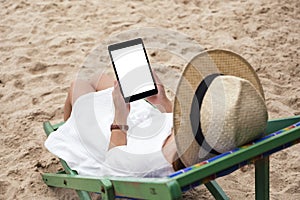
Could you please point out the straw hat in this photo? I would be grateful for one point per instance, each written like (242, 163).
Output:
(219, 105)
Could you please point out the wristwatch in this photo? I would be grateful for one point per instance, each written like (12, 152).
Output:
(121, 127)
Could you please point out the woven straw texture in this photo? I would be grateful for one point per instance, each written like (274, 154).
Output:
(226, 126)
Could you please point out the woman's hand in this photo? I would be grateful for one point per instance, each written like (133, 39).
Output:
(121, 108)
(160, 100)
(119, 137)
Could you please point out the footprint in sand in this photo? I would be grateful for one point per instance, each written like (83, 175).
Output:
(39, 116)
(38, 68)
(3, 187)
(56, 77)
(66, 53)
(35, 101)
(36, 79)
(19, 84)
(13, 96)
(23, 59)
(2, 84)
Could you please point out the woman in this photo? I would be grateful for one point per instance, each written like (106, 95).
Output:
(215, 111)
(147, 149)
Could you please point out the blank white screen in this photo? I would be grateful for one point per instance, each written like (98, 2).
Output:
(132, 69)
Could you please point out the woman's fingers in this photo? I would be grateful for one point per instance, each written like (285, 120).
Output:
(157, 80)
(117, 90)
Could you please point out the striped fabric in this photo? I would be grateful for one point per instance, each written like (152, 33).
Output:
(235, 167)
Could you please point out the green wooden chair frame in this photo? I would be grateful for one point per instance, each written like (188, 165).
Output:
(281, 133)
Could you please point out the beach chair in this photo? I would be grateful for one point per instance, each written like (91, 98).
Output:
(281, 133)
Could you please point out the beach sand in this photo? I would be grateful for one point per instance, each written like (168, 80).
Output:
(45, 44)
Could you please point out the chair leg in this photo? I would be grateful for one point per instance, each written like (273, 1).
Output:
(83, 195)
(216, 190)
(262, 179)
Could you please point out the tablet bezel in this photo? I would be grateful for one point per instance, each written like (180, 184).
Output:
(125, 44)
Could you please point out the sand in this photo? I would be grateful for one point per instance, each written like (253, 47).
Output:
(43, 45)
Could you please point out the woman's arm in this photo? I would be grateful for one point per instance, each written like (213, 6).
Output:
(118, 136)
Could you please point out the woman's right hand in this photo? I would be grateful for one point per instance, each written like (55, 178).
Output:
(122, 109)
(160, 100)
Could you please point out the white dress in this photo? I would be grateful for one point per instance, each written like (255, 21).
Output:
(83, 140)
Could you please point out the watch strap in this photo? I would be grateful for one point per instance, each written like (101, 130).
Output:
(121, 127)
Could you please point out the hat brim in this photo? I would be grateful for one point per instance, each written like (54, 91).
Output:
(206, 63)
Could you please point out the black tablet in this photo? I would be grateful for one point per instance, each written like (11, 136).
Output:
(132, 69)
